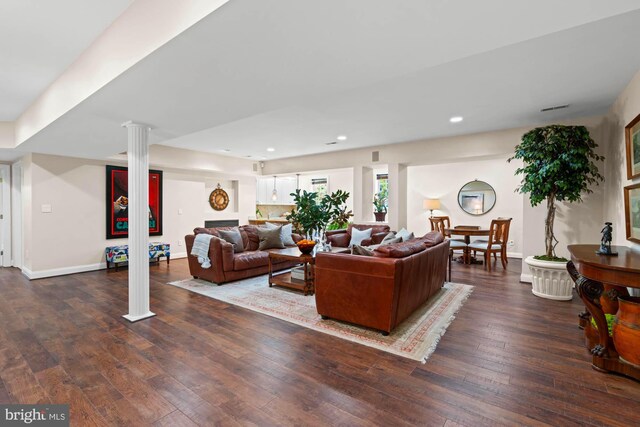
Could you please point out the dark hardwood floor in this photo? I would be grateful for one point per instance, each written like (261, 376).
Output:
(509, 358)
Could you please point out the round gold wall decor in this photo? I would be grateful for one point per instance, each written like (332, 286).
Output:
(219, 199)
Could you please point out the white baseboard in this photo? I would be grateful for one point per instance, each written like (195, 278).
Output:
(41, 274)
(526, 278)
(514, 255)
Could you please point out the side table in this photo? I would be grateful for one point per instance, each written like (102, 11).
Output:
(600, 280)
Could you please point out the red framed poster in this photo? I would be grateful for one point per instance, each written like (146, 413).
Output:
(118, 202)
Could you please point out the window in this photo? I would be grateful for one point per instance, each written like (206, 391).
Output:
(382, 183)
(320, 186)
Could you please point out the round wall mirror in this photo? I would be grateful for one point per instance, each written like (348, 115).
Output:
(476, 197)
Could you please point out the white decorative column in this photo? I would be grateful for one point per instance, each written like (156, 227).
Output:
(397, 216)
(362, 194)
(138, 194)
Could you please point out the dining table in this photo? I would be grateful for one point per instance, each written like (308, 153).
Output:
(467, 231)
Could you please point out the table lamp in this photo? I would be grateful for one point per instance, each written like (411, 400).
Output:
(431, 205)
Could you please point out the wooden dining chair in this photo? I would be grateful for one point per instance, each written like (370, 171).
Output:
(438, 224)
(497, 242)
(485, 240)
(447, 225)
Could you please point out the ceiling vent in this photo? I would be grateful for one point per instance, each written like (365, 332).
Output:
(375, 156)
(331, 143)
(557, 107)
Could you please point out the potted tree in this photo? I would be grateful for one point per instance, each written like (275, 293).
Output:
(558, 166)
(380, 205)
(312, 213)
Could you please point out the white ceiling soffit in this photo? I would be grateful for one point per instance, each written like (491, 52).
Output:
(39, 39)
(294, 75)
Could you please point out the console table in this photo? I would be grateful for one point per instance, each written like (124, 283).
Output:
(599, 281)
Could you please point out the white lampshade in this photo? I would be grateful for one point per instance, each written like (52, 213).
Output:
(431, 204)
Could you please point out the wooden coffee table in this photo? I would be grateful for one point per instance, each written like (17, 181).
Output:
(307, 260)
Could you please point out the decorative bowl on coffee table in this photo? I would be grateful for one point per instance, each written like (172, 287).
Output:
(306, 246)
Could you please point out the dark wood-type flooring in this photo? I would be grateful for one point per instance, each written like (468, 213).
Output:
(509, 358)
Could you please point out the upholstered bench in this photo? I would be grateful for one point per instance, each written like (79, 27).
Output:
(116, 255)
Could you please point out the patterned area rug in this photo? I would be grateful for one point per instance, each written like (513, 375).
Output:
(416, 338)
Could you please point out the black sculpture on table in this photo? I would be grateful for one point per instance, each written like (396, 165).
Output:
(605, 242)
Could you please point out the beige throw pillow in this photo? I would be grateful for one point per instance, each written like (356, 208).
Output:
(234, 237)
(361, 250)
(270, 239)
(287, 230)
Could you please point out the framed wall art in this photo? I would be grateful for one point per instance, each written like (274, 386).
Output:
(632, 212)
(632, 140)
(118, 202)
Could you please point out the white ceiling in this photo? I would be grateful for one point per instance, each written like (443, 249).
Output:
(293, 75)
(39, 39)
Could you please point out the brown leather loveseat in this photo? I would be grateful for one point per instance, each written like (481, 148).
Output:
(341, 238)
(227, 266)
(381, 291)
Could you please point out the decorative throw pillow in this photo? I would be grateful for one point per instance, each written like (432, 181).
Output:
(357, 236)
(234, 237)
(287, 229)
(405, 235)
(388, 237)
(270, 239)
(361, 250)
(391, 241)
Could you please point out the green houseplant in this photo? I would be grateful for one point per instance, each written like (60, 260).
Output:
(341, 220)
(559, 165)
(380, 204)
(313, 214)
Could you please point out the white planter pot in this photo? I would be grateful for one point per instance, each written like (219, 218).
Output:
(550, 279)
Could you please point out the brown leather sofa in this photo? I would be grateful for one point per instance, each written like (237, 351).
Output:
(227, 266)
(341, 238)
(381, 291)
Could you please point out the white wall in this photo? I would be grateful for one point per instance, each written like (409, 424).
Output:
(7, 135)
(72, 237)
(624, 109)
(339, 179)
(443, 181)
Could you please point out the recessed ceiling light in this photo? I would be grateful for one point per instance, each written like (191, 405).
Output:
(271, 149)
(455, 119)
(342, 138)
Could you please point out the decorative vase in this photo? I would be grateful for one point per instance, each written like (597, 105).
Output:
(610, 298)
(550, 279)
(626, 330)
(380, 216)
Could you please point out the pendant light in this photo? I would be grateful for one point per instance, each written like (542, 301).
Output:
(274, 193)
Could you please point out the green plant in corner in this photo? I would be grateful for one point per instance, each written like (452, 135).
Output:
(559, 165)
